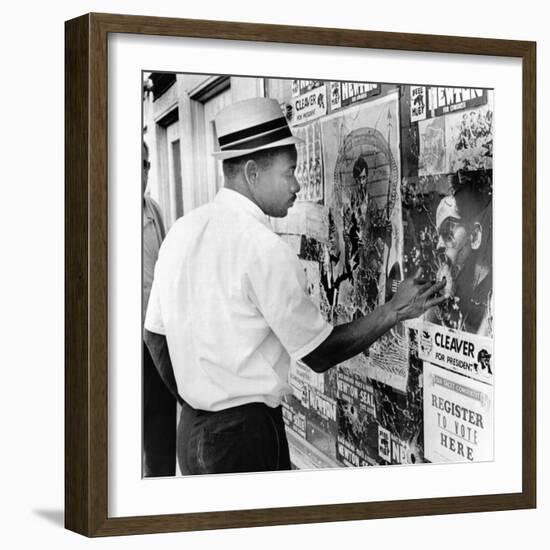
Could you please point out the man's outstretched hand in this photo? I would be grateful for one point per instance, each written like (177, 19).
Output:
(415, 296)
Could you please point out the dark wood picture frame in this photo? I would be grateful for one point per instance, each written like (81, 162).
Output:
(86, 285)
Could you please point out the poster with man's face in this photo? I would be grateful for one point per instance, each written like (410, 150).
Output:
(449, 215)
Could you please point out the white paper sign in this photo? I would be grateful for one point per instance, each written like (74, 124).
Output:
(461, 352)
(309, 106)
(458, 417)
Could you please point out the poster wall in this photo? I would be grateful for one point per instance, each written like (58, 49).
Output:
(388, 405)
(393, 178)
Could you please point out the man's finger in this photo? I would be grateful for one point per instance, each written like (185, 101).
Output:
(434, 302)
(425, 285)
(432, 289)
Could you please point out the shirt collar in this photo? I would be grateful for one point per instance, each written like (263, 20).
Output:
(234, 199)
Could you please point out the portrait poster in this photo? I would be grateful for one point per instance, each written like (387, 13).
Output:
(449, 217)
(365, 250)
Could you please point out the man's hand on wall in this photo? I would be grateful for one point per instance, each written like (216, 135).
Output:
(415, 296)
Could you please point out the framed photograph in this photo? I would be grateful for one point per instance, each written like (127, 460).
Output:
(403, 209)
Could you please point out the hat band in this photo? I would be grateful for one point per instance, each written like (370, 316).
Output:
(266, 139)
(251, 131)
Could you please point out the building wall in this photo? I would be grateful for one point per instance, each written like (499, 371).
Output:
(196, 99)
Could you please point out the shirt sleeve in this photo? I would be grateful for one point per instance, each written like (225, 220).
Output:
(153, 316)
(276, 285)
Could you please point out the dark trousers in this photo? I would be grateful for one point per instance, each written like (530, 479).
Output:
(247, 438)
(159, 423)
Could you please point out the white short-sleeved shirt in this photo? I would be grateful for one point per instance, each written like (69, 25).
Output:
(229, 295)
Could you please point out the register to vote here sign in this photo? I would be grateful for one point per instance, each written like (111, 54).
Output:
(458, 417)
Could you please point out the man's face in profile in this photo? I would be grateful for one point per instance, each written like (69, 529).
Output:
(277, 184)
(457, 237)
(454, 240)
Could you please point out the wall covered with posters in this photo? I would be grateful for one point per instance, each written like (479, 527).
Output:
(394, 178)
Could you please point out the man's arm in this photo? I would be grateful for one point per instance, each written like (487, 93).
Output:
(158, 348)
(412, 299)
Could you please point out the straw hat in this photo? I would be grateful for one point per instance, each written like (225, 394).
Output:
(251, 125)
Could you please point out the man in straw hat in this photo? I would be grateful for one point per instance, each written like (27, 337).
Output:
(229, 309)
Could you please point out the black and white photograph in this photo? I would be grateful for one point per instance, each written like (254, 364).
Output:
(317, 323)
(317, 274)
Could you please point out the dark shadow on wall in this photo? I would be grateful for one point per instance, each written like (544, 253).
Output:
(56, 517)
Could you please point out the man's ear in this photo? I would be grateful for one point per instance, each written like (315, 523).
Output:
(476, 236)
(251, 172)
